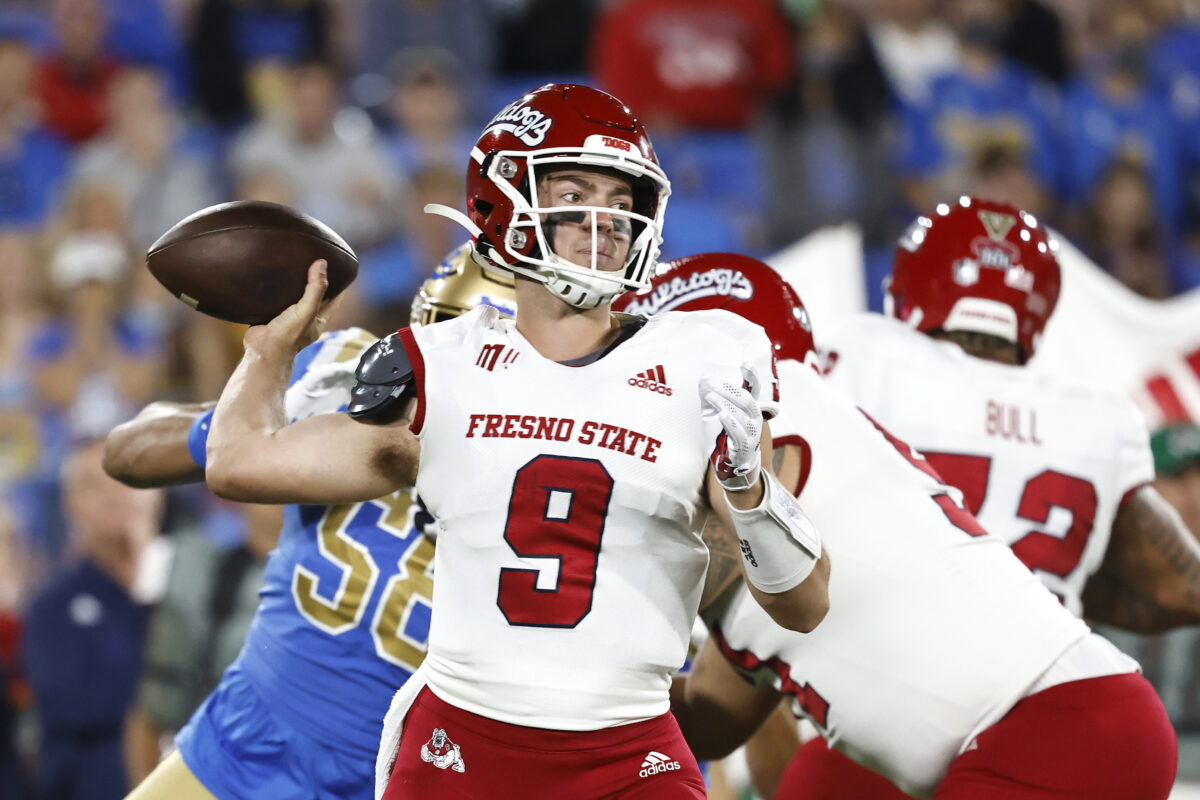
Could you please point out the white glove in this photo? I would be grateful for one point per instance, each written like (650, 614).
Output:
(736, 458)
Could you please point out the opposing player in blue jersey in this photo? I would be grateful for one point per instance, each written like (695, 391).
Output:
(346, 598)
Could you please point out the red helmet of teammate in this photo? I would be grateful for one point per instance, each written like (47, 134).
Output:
(976, 266)
(743, 285)
(555, 127)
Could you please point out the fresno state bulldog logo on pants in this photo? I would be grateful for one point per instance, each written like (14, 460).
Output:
(442, 753)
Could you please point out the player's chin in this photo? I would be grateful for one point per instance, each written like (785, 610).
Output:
(611, 261)
(604, 263)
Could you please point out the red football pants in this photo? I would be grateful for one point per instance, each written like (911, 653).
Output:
(642, 761)
(1098, 739)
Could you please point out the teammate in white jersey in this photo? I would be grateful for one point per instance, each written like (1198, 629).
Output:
(943, 663)
(570, 458)
(1058, 471)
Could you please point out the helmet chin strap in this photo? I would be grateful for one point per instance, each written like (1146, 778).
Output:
(596, 289)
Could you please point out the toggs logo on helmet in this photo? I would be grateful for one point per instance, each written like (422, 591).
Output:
(527, 124)
(677, 291)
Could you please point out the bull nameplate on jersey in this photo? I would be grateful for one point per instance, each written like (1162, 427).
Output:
(1012, 422)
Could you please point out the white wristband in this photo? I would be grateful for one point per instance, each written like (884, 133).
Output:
(780, 545)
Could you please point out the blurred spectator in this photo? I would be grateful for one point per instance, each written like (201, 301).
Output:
(268, 186)
(988, 100)
(827, 150)
(143, 158)
(1002, 174)
(14, 783)
(1175, 65)
(89, 207)
(236, 49)
(914, 46)
(196, 630)
(20, 314)
(1114, 111)
(73, 79)
(1121, 231)
(1177, 466)
(33, 161)
(390, 274)
(144, 32)
(17, 576)
(1036, 39)
(428, 109)
(331, 159)
(434, 235)
(26, 19)
(694, 63)
(466, 28)
(94, 362)
(545, 37)
(84, 634)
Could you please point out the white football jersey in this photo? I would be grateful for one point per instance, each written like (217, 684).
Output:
(1043, 464)
(569, 501)
(934, 629)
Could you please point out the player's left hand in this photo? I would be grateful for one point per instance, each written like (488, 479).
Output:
(736, 458)
(298, 325)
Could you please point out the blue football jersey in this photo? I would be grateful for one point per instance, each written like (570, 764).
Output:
(346, 599)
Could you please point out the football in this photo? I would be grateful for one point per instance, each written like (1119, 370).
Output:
(247, 261)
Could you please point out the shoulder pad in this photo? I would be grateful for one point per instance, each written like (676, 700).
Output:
(384, 382)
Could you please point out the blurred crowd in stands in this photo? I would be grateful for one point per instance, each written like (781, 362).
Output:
(772, 118)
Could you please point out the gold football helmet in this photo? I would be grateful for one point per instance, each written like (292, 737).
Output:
(458, 285)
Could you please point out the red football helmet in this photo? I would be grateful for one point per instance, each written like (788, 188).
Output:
(555, 127)
(743, 285)
(976, 266)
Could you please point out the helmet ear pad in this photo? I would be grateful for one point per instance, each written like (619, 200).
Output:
(480, 211)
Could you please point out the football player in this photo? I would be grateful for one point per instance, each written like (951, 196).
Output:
(568, 457)
(943, 663)
(1061, 472)
(344, 616)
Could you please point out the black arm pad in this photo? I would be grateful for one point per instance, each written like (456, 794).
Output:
(385, 382)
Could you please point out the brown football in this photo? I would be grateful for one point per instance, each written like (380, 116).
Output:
(248, 260)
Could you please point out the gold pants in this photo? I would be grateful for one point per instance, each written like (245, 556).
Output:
(171, 780)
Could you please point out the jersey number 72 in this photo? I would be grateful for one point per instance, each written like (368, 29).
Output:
(1046, 490)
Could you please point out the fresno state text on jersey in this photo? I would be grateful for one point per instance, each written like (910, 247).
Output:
(570, 504)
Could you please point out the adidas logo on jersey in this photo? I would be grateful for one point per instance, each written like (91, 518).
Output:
(653, 379)
(655, 763)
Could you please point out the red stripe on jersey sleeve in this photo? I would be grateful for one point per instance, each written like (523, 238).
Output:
(1193, 361)
(1164, 396)
(808, 698)
(418, 365)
